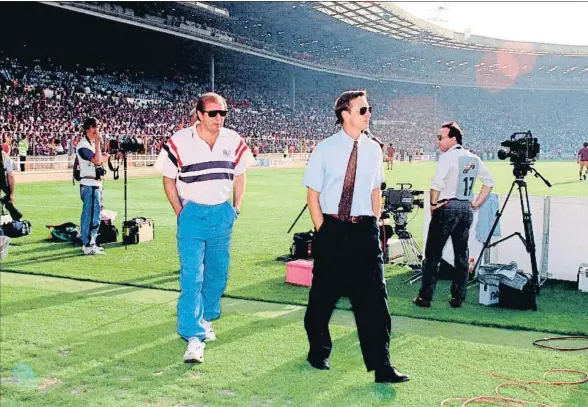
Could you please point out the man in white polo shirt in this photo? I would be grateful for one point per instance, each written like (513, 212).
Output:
(201, 165)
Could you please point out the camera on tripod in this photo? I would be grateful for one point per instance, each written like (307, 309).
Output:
(397, 204)
(401, 200)
(522, 150)
(126, 145)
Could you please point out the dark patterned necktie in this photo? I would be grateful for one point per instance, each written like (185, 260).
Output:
(348, 185)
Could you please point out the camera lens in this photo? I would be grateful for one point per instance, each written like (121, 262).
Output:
(502, 154)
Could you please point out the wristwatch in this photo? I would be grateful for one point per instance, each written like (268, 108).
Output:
(434, 204)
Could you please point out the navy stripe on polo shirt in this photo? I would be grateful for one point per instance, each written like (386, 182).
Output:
(207, 171)
(207, 177)
(208, 165)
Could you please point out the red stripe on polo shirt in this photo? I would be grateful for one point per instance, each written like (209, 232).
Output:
(237, 150)
(173, 146)
(240, 153)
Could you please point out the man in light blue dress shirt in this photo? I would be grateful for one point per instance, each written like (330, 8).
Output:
(343, 178)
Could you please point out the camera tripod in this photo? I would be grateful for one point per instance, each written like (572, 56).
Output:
(413, 255)
(519, 171)
(116, 176)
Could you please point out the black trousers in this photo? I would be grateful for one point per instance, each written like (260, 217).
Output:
(23, 158)
(452, 220)
(348, 263)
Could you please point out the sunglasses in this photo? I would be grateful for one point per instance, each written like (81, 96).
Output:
(213, 113)
(439, 136)
(364, 110)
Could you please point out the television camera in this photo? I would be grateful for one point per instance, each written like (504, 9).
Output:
(401, 200)
(523, 150)
(119, 149)
(126, 145)
(397, 204)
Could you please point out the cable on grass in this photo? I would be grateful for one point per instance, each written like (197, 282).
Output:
(538, 343)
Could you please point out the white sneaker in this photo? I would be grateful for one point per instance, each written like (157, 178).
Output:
(92, 250)
(195, 351)
(210, 335)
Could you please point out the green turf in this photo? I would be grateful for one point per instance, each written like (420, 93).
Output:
(273, 200)
(98, 345)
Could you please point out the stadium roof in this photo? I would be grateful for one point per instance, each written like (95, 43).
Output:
(392, 21)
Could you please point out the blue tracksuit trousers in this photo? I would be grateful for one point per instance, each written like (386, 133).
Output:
(204, 238)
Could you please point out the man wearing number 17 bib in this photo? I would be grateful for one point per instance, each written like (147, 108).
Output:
(452, 206)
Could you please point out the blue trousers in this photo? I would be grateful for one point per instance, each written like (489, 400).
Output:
(90, 219)
(204, 239)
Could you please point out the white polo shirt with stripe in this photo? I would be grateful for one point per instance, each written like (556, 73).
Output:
(204, 175)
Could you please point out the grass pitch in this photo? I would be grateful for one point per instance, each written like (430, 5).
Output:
(273, 200)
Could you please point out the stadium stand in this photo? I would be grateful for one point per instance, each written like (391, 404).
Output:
(143, 84)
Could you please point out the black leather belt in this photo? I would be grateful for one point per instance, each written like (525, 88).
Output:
(351, 219)
(452, 199)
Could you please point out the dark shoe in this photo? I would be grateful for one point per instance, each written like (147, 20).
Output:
(421, 303)
(321, 364)
(389, 374)
(455, 303)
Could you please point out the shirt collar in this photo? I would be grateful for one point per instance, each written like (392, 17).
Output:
(348, 139)
(196, 134)
(455, 147)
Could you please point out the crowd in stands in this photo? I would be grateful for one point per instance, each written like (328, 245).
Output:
(48, 103)
(368, 53)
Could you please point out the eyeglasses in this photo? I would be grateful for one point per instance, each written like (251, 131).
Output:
(213, 113)
(364, 110)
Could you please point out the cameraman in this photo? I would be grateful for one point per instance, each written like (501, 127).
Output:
(90, 157)
(451, 195)
(6, 178)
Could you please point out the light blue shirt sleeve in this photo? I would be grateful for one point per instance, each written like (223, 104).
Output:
(379, 178)
(315, 170)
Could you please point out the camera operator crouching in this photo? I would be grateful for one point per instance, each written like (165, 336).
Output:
(451, 194)
(90, 158)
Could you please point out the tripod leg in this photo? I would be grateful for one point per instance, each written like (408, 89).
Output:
(416, 257)
(489, 237)
(298, 217)
(529, 237)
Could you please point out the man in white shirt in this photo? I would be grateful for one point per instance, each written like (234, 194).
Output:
(452, 205)
(201, 166)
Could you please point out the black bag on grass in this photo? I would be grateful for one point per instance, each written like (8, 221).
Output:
(66, 232)
(16, 228)
(107, 232)
(522, 299)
